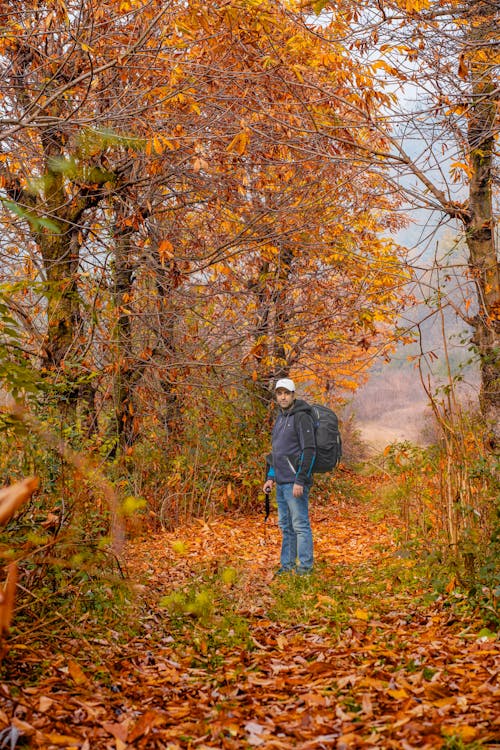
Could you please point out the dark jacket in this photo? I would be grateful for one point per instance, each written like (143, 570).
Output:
(293, 445)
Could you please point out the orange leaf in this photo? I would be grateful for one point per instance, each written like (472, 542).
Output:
(463, 70)
(7, 598)
(145, 723)
(76, 673)
(53, 738)
(14, 496)
(45, 703)
(464, 731)
(165, 250)
(118, 730)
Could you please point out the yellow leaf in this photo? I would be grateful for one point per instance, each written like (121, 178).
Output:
(416, 5)
(239, 143)
(380, 64)
(179, 547)
(131, 504)
(399, 695)
(229, 576)
(361, 614)
(157, 145)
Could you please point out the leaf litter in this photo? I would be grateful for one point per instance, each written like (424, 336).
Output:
(224, 656)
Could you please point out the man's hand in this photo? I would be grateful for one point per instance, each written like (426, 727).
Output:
(268, 485)
(298, 490)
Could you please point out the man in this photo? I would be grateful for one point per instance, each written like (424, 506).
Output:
(293, 454)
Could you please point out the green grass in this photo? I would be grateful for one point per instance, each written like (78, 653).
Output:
(204, 615)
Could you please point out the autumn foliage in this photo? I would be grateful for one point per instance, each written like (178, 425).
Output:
(213, 232)
(196, 199)
(219, 655)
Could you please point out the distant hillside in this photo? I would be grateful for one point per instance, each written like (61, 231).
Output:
(392, 406)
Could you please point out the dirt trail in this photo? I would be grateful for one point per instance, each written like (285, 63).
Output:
(238, 660)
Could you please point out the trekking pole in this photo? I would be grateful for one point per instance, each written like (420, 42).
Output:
(268, 511)
(268, 504)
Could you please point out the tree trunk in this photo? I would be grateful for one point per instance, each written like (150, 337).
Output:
(126, 374)
(480, 230)
(60, 252)
(282, 313)
(167, 347)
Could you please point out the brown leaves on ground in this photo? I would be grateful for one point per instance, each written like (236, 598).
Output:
(254, 662)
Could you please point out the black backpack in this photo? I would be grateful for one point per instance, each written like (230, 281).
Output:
(328, 439)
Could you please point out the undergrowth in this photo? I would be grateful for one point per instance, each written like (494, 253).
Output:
(455, 544)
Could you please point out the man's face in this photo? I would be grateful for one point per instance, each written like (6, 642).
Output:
(284, 398)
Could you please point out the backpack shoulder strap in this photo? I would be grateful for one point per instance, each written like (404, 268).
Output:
(300, 417)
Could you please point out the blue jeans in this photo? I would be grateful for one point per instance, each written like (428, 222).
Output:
(293, 520)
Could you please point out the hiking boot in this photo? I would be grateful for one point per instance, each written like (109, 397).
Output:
(282, 572)
(304, 571)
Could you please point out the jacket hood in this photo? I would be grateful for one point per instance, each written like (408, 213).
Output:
(298, 405)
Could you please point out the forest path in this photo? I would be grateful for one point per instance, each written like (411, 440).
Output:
(226, 657)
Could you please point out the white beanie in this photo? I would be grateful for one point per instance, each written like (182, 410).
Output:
(285, 383)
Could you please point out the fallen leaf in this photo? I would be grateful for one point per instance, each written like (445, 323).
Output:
(76, 673)
(361, 614)
(464, 731)
(398, 694)
(314, 699)
(254, 728)
(44, 703)
(23, 726)
(118, 730)
(65, 740)
(366, 704)
(442, 702)
(145, 723)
